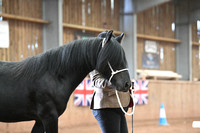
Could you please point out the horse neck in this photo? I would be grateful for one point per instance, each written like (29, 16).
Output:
(92, 49)
(84, 53)
(88, 51)
(75, 58)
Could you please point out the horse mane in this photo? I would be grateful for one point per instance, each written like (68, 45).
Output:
(66, 59)
(60, 60)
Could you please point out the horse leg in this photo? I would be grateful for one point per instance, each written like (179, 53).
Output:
(51, 125)
(38, 127)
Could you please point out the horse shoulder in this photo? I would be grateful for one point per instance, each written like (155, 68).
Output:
(49, 95)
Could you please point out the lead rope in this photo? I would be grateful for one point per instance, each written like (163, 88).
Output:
(116, 92)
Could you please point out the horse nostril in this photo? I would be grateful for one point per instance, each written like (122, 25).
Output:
(127, 84)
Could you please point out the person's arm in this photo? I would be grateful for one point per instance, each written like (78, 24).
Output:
(99, 81)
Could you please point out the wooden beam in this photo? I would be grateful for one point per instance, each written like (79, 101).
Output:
(93, 29)
(22, 18)
(156, 38)
(195, 43)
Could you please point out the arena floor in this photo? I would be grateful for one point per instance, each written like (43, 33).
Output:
(175, 126)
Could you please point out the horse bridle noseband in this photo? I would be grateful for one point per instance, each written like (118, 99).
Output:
(115, 72)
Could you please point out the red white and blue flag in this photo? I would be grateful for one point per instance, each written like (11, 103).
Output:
(83, 93)
(141, 91)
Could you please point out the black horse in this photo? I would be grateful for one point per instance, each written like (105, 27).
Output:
(38, 88)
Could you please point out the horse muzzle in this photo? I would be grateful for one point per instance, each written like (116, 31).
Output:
(124, 87)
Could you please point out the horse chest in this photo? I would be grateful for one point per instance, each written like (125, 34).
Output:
(50, 99)
(50, 103)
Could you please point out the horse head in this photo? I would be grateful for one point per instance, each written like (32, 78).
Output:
(111, 62)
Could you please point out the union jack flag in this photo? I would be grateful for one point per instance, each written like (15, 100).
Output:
(83, 93)
(141, 91)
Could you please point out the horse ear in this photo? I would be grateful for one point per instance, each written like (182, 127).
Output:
(108, 36)
(119, 38)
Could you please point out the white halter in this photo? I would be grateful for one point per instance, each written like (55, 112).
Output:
(115, 72)
(116, 92)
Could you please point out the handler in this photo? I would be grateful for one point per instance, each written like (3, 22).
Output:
(105, 107)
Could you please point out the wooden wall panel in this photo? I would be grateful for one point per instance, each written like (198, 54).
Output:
(151, 21)
(96, 13)
(166, 18)
(169, 62)
(179, 97)
(140, 22)
(25, 37)
(195, 37)
(26, 8)
(157, 22)
(140, 50)
(195, 53)
(195, 63)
